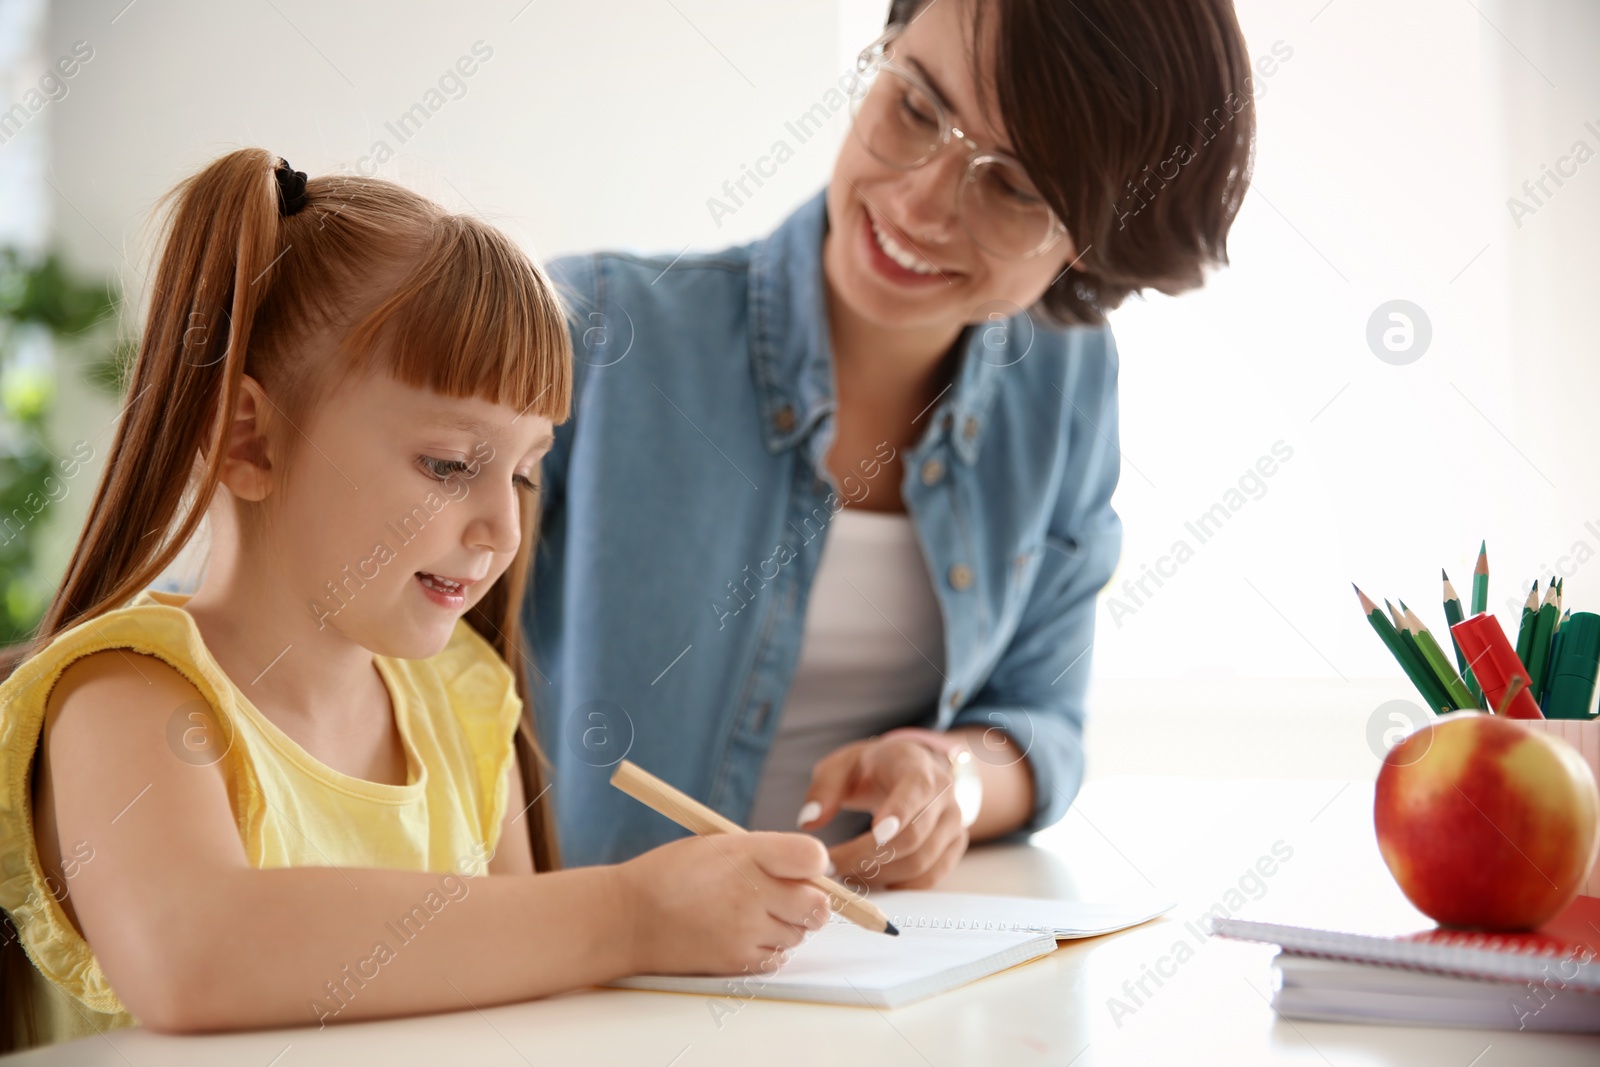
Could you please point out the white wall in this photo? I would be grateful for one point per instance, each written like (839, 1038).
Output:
(24, 212)
(590, 125)
(1390, 140)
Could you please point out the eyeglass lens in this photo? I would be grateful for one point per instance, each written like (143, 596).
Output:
(903, 126)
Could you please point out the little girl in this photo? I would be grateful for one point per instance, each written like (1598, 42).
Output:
(266, 803)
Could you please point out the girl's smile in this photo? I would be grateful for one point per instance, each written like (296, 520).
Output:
(445, 592)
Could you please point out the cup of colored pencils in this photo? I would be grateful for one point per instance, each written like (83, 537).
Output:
(1549, 674)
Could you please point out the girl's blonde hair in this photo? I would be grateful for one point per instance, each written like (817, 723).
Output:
(436, 300)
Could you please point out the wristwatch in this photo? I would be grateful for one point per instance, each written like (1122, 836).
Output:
(968, 786)
(968, 782)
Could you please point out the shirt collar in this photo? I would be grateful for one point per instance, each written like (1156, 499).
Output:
(792, 355)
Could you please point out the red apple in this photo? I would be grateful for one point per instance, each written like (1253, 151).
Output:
(1485, 824)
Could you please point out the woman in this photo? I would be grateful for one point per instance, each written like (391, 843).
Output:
(833, 508)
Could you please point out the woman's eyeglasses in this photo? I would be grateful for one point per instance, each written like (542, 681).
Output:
(897, 118)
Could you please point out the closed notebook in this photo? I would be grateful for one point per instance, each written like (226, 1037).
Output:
(946, 940)
(1309, 987)
(1563, 952)
(1548, 979)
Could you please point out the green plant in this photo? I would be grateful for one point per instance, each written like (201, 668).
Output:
(43, 309)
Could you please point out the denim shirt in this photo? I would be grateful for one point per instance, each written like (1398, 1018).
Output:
(686, 503)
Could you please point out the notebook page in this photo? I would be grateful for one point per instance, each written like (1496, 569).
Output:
(844, 964)
(921, 909)
(843, 953)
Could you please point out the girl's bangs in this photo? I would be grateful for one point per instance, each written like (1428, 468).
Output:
(474, 318)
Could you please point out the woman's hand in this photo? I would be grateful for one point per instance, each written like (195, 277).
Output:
(916, 837)
(724, 904)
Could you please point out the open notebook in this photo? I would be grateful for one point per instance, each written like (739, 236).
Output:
(946, 940)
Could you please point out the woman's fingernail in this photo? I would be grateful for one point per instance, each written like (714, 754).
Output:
(811, 810)
(832, 870)
(884, 831)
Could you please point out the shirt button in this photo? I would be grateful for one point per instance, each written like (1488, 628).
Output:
(969, 429)
(932, 471)
(784, 419)
(955, 698)
(960, 577)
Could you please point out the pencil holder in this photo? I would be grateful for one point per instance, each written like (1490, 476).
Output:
(1583, 735)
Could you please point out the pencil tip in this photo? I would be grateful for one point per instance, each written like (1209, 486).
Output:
(1443, 574)
(891, 929)
(1483, 547)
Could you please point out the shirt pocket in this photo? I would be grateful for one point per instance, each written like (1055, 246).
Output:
(1023, 569)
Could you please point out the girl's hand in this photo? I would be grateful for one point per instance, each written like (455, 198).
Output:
(916, 837)
(725, 903)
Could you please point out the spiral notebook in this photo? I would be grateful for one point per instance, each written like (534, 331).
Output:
(1310, 987)
(1571, 939)
(946, 940)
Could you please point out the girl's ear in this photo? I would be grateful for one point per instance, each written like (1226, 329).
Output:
(247, 464)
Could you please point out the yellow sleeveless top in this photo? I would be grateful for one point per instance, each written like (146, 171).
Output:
(456, 712)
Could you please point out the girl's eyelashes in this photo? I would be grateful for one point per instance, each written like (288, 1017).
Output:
(444, 469)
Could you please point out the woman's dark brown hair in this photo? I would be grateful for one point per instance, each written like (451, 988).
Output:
(1136, 120)
(436, 300)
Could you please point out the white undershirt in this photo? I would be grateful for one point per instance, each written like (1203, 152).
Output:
(871, 659)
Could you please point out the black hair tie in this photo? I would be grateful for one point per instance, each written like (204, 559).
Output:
(291, 188)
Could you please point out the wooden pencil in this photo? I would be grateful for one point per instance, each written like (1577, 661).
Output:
(1480, 580)
(1454, 687)
(692, 815)
(1415, 670)
(1525, 625)
(1440, 701)
(1453, 615)
(1538, 661)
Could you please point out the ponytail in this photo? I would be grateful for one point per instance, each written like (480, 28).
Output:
(184, 386)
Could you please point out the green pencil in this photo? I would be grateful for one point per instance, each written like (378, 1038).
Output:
(1408, 641)
(1423, 680)
(1454, 688)
(1525, 626)
(1538, 662)
(1555, 655)
(1480, 581)
(1414, 654)
(1452, 614)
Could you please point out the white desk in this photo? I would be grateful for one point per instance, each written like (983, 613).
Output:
(1192, 838)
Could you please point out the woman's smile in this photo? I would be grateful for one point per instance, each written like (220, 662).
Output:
(893, 258)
